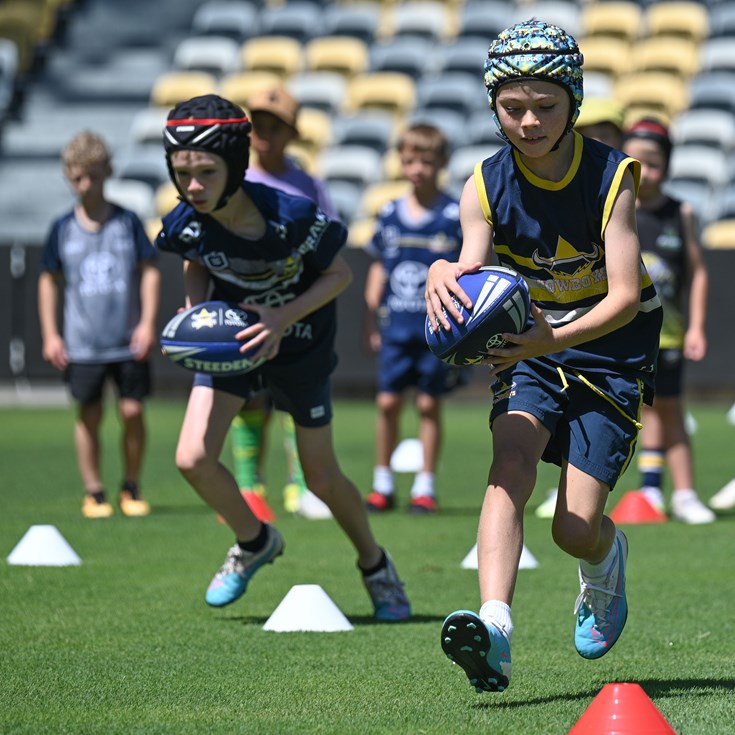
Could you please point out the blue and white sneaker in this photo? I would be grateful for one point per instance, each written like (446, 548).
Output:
(231, 581)
(386, 591)
(482, 650)
(602, 607)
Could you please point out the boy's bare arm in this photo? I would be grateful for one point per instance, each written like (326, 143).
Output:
(144, 336)
(54, 350)
(695, 341)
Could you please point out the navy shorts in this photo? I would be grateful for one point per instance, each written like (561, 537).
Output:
(86, 380)
(300, 388)
(594, 418)
(669, 373)
(412, 364)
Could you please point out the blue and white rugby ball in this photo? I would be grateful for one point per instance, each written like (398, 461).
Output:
(501, 304)
(202, 339)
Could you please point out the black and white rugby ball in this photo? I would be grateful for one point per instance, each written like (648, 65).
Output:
(202, 339)
(501, 304)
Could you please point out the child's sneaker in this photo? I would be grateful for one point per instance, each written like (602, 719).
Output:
(482, 650)
(724, 499)
(688, 508)
(378, 502)
(96, 505)
(602, 607)
(386, 591)
(313, 508)
(423, 505)
(131, 503)
(232, 579)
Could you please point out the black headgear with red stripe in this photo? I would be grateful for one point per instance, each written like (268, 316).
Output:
(213, 124)
(651, 129)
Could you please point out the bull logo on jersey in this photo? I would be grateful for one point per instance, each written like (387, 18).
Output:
(192, 232)
(409, 279)
(568, 261)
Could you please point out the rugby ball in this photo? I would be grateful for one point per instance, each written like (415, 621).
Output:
(202, 339)
(501, 304)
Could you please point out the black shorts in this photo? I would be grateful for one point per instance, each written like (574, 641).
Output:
(669, 373)
(86, 380)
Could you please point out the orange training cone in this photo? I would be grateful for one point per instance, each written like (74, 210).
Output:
(636, 508)
(258, 504)
(622, 709)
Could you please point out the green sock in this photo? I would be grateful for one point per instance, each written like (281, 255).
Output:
(247, 435)
(295, 473)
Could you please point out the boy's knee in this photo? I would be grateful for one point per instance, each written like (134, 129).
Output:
(575, 536)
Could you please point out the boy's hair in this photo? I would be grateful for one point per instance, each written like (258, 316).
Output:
(649, 128)
(424, 137)
(85, 149)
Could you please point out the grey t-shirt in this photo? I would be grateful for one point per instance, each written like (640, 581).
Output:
(101, 272)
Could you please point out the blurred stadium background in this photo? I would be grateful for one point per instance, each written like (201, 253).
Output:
(362, 69)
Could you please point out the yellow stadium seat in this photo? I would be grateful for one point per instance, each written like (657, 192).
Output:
(391, 91)
(653, 89)
(666, 53)
(342, 54)
(176, 86)
(361, 232)
(607, 54)
(686, 19)
(315, 129)
(278, 54)
(620, 19)
(167, 197)
(392, 170)
(377, 195)
(239, 87)
(719, 234)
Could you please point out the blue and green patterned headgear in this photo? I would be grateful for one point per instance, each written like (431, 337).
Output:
(535, 50)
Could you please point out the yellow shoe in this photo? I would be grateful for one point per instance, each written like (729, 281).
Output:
(292, 497)
(97, 506)
(130, 503)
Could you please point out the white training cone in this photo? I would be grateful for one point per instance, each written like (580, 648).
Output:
(731, 415)
(307, 607)
(43, 546)
(408, 456)
(527, 561)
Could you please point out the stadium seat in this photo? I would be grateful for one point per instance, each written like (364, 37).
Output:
(610, 55)
(295, 19)
(321, 90)
(315, 129)
(689, 20)
(238, 19)
(726, 203)
(342, 54)
(277, 54)
(719, 234)
(698, 163)
(355, 164)
(176, 86)
(132, 194)
(213, 54)
(361, 232)
(451, 122)
(462, 162)
(389, 91)
(653, 90)
(145, 163)
(713, 90)
(166, 198)
(484, 18)
(722, 20)
(392, 170)
(376, 196)
(706, 126)
(146, 127)
(463, 93)
(366, 128)
(238, 87)
(598, 84)
(562, 13)
(430, 19)
(405, 54)
(717, 54)
(23, 36)
(355, 19)
(345, 197)
(464, 55)
(620, 19)
(698, 194)
(9, 76)
(482, 130)
(666, 53)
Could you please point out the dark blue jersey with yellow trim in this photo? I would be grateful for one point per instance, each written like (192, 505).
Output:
(299, 243)
(553, 233)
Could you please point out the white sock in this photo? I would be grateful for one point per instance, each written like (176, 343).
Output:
(423, 485)
(601, 568)
(383, 480)
(497, 613)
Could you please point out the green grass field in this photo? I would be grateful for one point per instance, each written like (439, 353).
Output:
(124, 643)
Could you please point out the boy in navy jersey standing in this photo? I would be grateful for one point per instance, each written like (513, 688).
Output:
(412, 233)
(559, 209)
(277, 255)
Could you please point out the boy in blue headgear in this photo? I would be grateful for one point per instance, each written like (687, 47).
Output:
(559, 209)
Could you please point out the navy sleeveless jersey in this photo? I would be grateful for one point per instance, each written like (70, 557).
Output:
(406, 249)
(299, 243)
(553, 233)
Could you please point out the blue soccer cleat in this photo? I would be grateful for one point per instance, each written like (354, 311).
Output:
(601, 607)
(386, 591)
(482, 650)
(231, 581)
